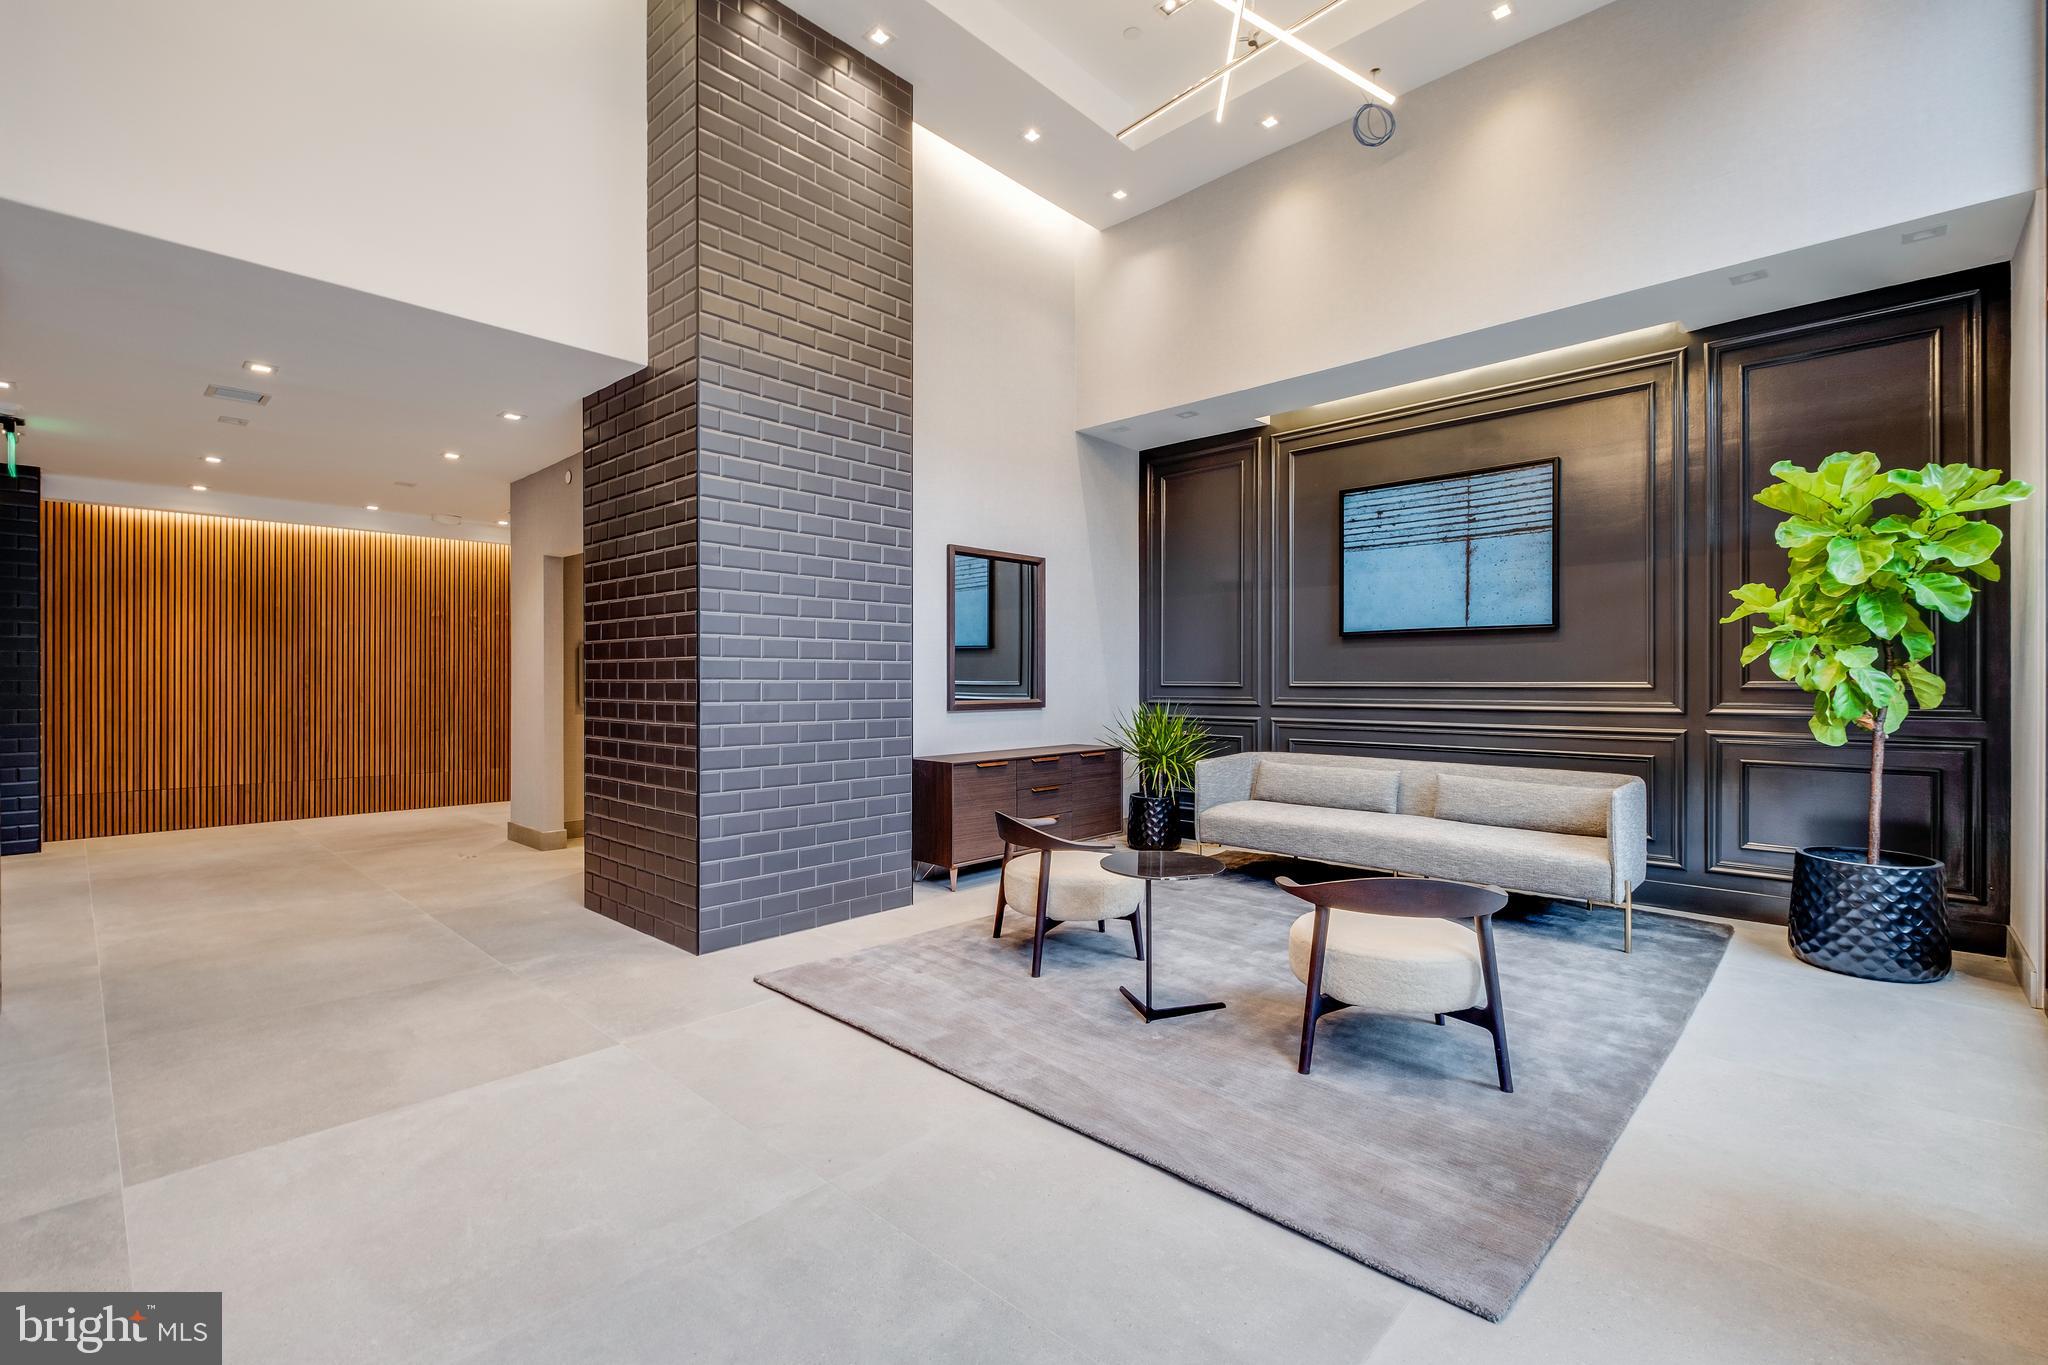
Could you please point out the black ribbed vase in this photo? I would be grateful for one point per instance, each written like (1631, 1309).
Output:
(1153, 823)
(1886, 921)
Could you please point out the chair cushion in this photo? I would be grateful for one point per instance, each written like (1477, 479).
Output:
(1523, 805)
(1081, 889)
(1567, 865)
(1393, 965)
(1303, 784)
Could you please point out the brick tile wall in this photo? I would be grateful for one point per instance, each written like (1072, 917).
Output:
(21, 662)
(747, 503)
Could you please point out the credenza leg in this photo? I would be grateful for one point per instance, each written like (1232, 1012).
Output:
(952, 879)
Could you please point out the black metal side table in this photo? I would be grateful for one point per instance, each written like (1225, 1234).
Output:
(1150, 867)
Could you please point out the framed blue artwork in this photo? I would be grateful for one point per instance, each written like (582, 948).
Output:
(1471, 551)
(970, 602)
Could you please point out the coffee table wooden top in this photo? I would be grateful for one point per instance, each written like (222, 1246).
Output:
(1152, 866)
(1414, 897)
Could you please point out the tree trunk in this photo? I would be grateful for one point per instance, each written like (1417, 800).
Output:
(1876, 784)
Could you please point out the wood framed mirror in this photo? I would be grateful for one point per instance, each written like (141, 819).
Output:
(995, 630)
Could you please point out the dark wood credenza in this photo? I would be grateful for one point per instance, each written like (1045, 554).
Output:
(954, 799)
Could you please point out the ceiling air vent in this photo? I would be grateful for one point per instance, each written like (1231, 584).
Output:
(447, 519)
(231, 394)
(232, 421)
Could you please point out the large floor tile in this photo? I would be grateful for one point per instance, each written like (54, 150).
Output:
(1614, 1290)
(154, 985)
(1123, 1260)
(43, 1014)
(1939, 1216)
(56, 1131)
(640, 985)
(79, 1247)
(817, 1282)
(409, 1236)
(825, 1093)
(199, 1094)
(1899, 1044)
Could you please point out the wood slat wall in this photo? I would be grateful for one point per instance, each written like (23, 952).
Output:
(210, 671)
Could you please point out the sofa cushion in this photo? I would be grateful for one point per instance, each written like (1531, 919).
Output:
(1571, 866)
(1302, 784)
(1523, 805)
(1393, 965)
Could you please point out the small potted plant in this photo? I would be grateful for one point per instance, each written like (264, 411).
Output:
(1164, 744)
(1848, 628)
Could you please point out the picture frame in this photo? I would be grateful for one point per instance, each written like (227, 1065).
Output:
(1507, 512)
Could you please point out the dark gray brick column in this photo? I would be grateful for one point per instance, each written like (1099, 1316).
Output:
(21, 661)
(747, 498)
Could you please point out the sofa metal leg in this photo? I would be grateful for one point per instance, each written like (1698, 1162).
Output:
(1628, 919)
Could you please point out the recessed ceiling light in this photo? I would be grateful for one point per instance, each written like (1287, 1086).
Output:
(1503, 11)
(198, 488)
(5, 385)
(878, 35)
(1270, 121)
(1924, 234)
(225, 420)
(258, 367)
(513, 416)
(1118, 194)
(1172, 6)
(451, 454)
(1184, 415)
(1032, 135)
(369, 507)
(1749, 277)
(211, 459)
(503, 522)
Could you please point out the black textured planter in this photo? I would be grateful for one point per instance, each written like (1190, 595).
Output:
(1886, 921)
(1154, 823)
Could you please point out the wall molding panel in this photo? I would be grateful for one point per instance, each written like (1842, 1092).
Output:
(203, 671)
(1659, 453)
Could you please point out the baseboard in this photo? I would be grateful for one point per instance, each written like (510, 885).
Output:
(2024, 969)
(542, 839)
(575, 828)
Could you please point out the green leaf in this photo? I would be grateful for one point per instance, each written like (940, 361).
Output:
(1892, 526)
(1829, 731)
(1927, 686)
(1787, 655)
(1852, 559)
(1997, 495)
(1862, 656)
(1754, 649)
(1987, 571)
(1971, 543)
(1883, 613)
(1753, 597)
(1795, 532)
(1915, 636)
(1847, 703)
(1942, 592)
(1780, 497)
(1877, 685)
(1914, 485)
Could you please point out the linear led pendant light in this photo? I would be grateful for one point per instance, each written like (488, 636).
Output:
(1229, 51)
(1280, 33)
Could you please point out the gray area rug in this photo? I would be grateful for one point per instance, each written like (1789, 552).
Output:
(1399, 1151)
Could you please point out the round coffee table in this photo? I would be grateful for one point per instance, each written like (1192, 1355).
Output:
(1149, 867)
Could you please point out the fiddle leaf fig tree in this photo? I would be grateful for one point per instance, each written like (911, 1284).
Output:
(1850, 626)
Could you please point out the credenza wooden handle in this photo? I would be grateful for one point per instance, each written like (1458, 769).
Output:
(999, 763)
(1052, 788)
(1096, 753)
(1047, 758)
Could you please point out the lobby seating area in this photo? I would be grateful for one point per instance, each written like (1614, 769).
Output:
(840, 682)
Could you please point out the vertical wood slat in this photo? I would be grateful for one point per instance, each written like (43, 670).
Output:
(210, 671)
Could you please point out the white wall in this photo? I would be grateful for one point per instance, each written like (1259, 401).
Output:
(997, 463)
(485, 160)
(547, 526)
(1649, 141)
(2025, 558)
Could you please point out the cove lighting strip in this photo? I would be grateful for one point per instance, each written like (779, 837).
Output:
(1283, 35)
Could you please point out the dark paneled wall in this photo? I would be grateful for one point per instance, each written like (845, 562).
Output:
(1658, 456)
(747, 517)
(21, 662)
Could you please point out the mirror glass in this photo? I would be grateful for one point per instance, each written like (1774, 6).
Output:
(998, 623)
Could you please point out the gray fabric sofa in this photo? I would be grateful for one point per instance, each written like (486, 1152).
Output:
(1545, 831)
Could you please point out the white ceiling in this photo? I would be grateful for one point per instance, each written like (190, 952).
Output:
(983, 71)
(109, 340)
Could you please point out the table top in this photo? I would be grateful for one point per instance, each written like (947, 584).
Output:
(1151, 866)
(1415, 897)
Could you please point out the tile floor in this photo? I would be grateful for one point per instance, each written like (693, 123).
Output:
(386, 1084)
